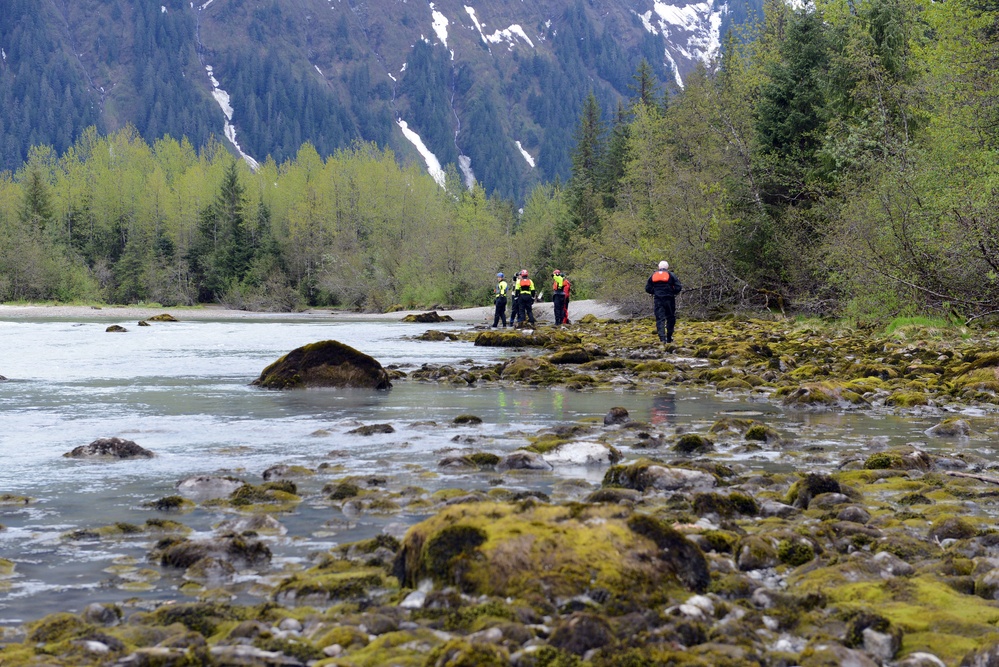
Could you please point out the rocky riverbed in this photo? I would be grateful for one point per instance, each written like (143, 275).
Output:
(732, 544)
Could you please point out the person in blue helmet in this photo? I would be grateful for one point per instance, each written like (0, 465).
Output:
(499, 298)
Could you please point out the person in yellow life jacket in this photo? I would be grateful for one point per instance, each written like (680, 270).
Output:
(664, 286)
(524, 292)
(499, 298)
(558, 297)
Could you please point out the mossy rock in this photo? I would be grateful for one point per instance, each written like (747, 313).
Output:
(691, 443)
(324, 364)
(820, 395)
(116, 328)
(162, 317)
(907, 399)
(466, 420)
(529, 369)
(645, 474)
(899, 458)
(57, 627)
(432, 317)
(461, 653)
(171, 504)
(372, 429)
(805, 489)
(204, 618)
(762, 433)
(725, 506)
(316, 587)
(436, 335)
(955, 528)
(795, 552)
(525, 550)
(571, 355)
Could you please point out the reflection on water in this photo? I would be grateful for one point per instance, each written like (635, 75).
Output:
(182, 390)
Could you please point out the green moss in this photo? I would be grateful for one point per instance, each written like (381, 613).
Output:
(171, 504)
(484, 459)
(56, 628)
(296, 648)
(342, 490)
(795, 552)
(907, 399)
(466, 419)
(691, 443)
(463, 618)
(460, 653)
(322, 588)
(933, 616)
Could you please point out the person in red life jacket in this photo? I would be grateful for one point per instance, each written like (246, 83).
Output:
(525, 297)
(499, 297)
(566, 286)
(514, 299)
(558, 296)
(664, 286)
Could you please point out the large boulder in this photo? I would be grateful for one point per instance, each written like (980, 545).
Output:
(114, 448)
(327, 363)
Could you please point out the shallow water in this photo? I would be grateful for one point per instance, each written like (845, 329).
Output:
(182, 390)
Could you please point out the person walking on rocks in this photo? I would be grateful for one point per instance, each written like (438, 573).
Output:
(558, 296)
(664, 286)
(499, 297)
(525, 297)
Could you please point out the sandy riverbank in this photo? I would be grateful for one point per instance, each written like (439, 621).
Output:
(542, 312)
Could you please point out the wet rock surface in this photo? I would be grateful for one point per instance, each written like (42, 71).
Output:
(110, 448)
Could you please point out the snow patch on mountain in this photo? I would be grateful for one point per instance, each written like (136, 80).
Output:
(693, 30)
(507, 34)
(439, 25)
(163, 9)
(527, 156)
(222, 97)
(433, 164)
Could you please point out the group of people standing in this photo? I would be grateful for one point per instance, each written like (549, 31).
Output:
(663, 285)
(522, 295)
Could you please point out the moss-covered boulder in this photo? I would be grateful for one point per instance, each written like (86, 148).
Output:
(644, 474)
(808, 487)
(571, 355)
(238, 551)
(532, 549)
(899, 458)
(327, 363)
(432, 317)
(950, 428)
(692, 443)
(821, 395)
(162, 317)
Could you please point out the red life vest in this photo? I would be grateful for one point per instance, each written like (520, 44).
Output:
(525, 283)
(661, 277)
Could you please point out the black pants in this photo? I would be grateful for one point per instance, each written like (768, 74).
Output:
(665, 308)
(514, 309)
(526, 308)
(558, 300)
(500, 311)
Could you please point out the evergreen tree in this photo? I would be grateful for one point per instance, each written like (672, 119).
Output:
(221, 256)
(585, 206)
(36, 207)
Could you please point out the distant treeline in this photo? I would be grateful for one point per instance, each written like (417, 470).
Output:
(843, 161)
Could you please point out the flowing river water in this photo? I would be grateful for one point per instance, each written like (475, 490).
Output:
(183, 391)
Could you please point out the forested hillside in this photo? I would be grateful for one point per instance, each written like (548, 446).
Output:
(492, 91)
(842, 161)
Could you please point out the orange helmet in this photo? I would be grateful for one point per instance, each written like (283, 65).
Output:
(557, 273)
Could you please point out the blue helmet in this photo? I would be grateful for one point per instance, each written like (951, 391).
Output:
(499, 275)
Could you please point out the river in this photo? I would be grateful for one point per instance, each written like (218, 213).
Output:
(182, 390)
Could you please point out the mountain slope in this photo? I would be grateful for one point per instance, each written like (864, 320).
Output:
(492, 91)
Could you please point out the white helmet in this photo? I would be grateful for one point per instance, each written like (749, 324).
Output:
(663, 265)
